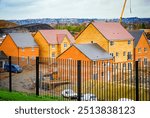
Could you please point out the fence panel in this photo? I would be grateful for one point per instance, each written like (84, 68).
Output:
(4, 75)
(79, 80)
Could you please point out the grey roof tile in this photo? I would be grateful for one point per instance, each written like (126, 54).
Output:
(93, 51)
(137, 35)
(23, 39)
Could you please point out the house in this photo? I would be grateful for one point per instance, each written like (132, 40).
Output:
(112, 37)
(22, 48)
(3, 59)
(93, 59)
(141, 46)
(53, 42)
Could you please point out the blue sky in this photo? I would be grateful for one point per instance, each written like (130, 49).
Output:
(24, 9)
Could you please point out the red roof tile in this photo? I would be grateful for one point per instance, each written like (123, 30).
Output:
(56, 36)
(113, 31)
(60, 37)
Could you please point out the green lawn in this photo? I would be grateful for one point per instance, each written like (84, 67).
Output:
(5, 95)
(110, 91)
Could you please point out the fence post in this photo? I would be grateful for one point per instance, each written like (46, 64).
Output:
(79, 79)
(10, 75)
(137, 81)
(37, 76)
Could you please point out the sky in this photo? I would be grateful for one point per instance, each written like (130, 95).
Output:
(30, 9)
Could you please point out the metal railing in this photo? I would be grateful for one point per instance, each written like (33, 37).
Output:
(79, 80)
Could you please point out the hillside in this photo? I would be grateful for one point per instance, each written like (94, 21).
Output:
(7, 24)
(24, 28)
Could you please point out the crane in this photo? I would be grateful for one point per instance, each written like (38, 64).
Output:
(120, 21)
(122, 12)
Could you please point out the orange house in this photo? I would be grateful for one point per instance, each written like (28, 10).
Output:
(141, 46)
(93, 59)
(53, 42)
(22, 48)
(112, 37)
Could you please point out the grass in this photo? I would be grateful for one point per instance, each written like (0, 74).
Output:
(5, 95)
(112, 91)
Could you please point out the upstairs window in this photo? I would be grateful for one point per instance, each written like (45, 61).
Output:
(145, 49)
(129, 42)
(124, 53)
(32, 48)
(111, 54)
(139, 50)
(22, 49)
(53, 46)
(65, 45)
(117, 54)
(111, 43)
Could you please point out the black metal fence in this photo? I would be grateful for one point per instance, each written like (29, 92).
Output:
(81, 80)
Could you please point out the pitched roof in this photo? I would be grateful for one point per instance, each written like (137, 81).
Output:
(60, 37)
(137, 35)
(2, 55)
(56, 36)
(113, 31)
(93, 51)
(23, 39)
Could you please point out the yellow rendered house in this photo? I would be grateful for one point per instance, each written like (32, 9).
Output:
(53, 42)
(112, 37)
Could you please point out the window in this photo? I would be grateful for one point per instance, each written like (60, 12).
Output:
(111, 54)
(129, 42)
(139, 50)
(53, 46)
(117, 54)
(33, 58)
(65, 45)
(32, 48)
(94, 63)
(145, 61)
(22, 49)
(124, 53)
(145, 49)
(139, 60)
(129, 56)
(111, 43)
(23, 58)
(95, 76)
(53, 55)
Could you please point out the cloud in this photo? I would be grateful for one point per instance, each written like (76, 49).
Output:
(71, 8)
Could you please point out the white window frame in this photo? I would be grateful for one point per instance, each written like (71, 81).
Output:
(53, 46)
(129, 42)
(22, 58)
(53, 56)
(22, 49)
(32, 49)
(33, 58)
(111, 43)
(145, 49)
(65, 45)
